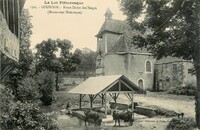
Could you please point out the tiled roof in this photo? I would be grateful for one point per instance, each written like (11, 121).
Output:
(102, 84)
(112, 25)
(124, 44)
(170, 60)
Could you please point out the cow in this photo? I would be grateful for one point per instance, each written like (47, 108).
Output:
(180, 115)
(125, 115)
(92, 117)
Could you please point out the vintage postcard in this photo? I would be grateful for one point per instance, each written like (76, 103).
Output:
(98, 64)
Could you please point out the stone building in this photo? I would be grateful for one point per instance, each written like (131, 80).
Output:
(117, 55)
(9, 33)
(173, 72)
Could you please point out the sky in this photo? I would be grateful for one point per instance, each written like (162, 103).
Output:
(80, 29)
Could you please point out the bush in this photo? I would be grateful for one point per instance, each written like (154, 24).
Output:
(22, 116)
(187, 90)
(181, 124)
(5, 100)
(28, 90)
(27, 116)
(46, 83)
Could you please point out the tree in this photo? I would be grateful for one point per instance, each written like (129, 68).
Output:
(170, 28)
(47, 59)
(88, 61)
(25, 56)
(46, 83)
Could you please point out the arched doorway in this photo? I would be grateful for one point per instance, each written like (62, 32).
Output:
(141, 83)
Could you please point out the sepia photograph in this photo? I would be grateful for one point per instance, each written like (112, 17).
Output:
(99, 64)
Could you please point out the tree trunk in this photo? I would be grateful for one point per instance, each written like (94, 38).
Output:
(197, 61)
(57, 86)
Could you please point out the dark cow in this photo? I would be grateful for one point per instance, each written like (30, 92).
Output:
(180, 115)
(126, 116)
(92, 117)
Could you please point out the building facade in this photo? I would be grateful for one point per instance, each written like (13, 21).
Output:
(117, 55)
(173, 72)
(9, 33)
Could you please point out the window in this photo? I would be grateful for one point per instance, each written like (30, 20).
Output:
(148, 66)
(140, 83)
(99, 39)
(174, 68)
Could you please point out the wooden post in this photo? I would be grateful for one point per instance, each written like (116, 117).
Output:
(132, 102)
(115, 98)
(91, 100)
(105, 105)
(102, 99)
(80, 101)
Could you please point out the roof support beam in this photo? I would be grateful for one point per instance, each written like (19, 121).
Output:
(102, 96)
(92, 97)
(127, 85)
(80, 99)
(114, 96)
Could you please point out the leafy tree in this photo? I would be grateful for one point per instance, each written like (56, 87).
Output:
(47, 59)
(170, 28)
(25, 58)
(46, 83)
(88, 61)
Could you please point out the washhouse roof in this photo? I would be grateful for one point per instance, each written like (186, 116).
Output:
(102, 84)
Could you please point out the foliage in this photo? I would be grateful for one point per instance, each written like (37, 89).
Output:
(28, 90)
(27, 116)
(88, 61)
(181, 124)
(46, 83)
(5, 100)
(48, 60)
(186, 90)
(25, 57)
(170, 28)
(25, 54)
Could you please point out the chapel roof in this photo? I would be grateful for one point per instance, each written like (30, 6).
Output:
(112, 25)
(124, 44)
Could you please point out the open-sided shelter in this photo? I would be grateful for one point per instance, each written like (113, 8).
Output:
(104, 85)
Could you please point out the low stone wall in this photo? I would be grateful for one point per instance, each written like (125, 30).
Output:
(120, 106)
(150, 112)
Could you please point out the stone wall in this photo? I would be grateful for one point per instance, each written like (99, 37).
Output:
(9, 44)
(132, 66)
(173, 74)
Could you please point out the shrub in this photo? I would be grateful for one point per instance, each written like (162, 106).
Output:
(5, 100)
(27, 116)
(46, 83)
(187, 90)
(28, 90)
(181, 124)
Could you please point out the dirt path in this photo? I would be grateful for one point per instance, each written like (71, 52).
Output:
(177, 103)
